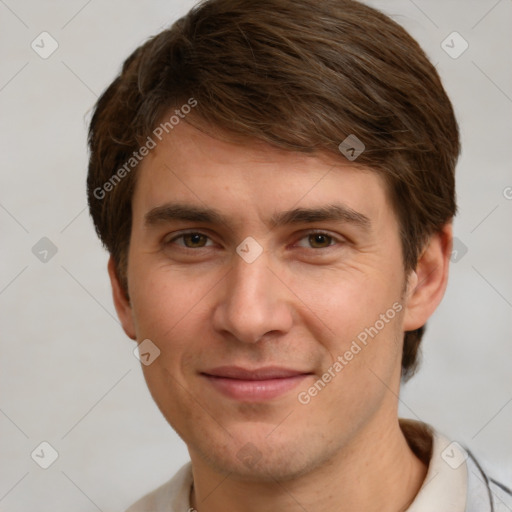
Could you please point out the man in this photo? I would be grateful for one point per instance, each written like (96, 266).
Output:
(274, 182)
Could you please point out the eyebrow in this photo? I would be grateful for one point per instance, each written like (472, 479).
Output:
(333, 212)
(183, 212)
(170, 212)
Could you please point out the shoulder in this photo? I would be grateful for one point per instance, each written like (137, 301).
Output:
(502, 495)
(456, 479)
(169, 497)
(484, 492)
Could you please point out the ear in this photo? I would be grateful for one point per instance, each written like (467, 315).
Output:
(427, 283)
(121, 302)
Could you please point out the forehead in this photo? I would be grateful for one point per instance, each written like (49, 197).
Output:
(210, 168)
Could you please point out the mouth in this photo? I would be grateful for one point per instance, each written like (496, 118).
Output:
(254, 385)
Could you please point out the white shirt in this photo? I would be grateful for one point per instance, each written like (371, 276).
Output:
(455, 481)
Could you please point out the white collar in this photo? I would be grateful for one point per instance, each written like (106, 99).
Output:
(445, 486)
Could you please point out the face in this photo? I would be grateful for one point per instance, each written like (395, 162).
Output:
(272, 284)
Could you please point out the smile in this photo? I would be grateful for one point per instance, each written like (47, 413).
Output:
(256, 385)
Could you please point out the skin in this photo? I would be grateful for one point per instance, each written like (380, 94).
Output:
(299, 305)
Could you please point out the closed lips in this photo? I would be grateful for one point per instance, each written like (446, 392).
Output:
(266, 373)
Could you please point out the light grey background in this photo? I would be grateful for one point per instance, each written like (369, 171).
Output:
(68, 375)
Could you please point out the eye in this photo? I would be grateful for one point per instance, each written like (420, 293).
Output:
(317, 241)
(191, 240)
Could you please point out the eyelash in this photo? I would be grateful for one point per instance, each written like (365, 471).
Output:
(333, 239)
(182, 235)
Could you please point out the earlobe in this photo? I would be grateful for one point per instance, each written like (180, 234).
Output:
(428, 281)
(121, 302)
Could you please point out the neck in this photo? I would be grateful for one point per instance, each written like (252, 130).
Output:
(377, 472)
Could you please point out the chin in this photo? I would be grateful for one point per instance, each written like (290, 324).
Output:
(266, 467)
(261, 458)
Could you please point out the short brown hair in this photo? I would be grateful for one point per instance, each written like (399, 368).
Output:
(300, 75)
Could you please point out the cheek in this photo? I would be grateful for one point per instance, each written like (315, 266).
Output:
(343, 301)
(165, 299)
(172, 311)
(355, 316)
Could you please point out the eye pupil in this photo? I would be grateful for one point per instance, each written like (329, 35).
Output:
(194, 240)
(318, 240)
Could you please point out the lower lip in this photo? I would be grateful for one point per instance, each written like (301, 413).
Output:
(255, 390)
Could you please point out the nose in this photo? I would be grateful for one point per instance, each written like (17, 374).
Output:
(253, 302)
